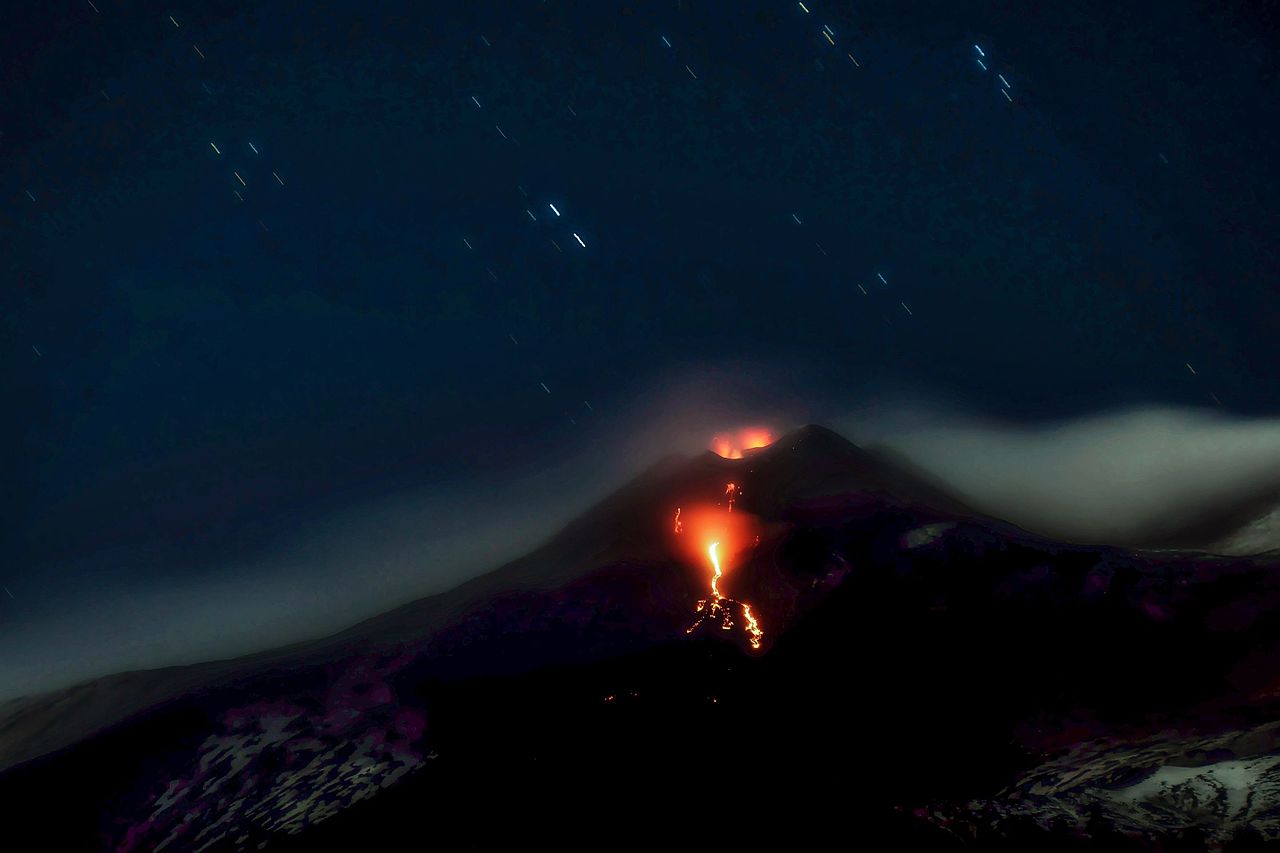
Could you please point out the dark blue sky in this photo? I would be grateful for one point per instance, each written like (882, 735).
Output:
(213, 369)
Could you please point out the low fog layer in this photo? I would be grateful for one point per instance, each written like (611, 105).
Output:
(1153, 477)
(1145, 477)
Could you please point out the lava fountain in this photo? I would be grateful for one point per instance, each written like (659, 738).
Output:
(714, 536)
(732, 445)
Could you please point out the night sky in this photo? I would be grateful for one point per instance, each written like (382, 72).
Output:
(267, 262)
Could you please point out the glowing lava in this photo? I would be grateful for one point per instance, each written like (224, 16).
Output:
(715, 566)
(733, 445)
(721, 531)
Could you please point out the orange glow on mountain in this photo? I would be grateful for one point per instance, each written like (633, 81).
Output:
(714, 537)
(732, 445)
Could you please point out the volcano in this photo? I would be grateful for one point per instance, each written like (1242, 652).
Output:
(922, 673)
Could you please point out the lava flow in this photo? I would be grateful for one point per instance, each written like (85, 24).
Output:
(723, 534)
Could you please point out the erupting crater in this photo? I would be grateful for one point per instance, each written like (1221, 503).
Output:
(732, 445)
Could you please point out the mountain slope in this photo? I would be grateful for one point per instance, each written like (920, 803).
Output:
(922, 669)
(627, 525)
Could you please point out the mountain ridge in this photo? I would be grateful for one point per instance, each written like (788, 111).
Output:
(808, 462)
(958, 654)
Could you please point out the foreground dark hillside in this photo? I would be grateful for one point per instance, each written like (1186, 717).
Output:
(904, 704)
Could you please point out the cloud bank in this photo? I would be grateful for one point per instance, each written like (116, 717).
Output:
(1149, 477)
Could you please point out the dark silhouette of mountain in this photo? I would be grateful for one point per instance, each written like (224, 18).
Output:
(626, 526)
(926, 673)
